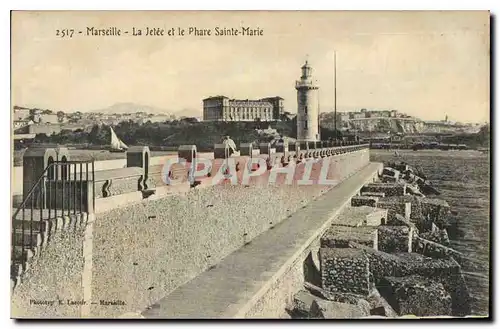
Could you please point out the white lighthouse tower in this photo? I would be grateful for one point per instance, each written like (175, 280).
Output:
(307, 106)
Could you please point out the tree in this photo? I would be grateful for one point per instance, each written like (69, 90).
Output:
(99, 136)
(60, 116)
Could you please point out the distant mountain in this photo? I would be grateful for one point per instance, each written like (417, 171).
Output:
(130, 108)
(191, 113)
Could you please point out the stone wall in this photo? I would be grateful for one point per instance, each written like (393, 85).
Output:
(274, 302)
(53, 278)
(144, 251)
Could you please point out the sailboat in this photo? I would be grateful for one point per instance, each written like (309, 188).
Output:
(117, 145)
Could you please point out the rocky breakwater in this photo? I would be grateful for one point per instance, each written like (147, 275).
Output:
(387, 255)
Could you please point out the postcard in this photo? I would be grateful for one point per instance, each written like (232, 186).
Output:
(250, 164)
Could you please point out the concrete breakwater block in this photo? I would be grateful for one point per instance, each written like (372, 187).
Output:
(389, 189)
(379, 306)
(437, 235)
(395, 208)
(305, 305)
(399, 220)
(301, 304)
(437, 209)
(384, 264)
(325, 309)
(393, 239)
(361, 216)
(445, 271)
(390, 175)
(391, 172)
(389, 179)
(416, 295)
(345, 270)
(374, 194)
(377, 217)
(359, 200)
(434, 249)
(401, 166)
(416, 214)
(340, 236)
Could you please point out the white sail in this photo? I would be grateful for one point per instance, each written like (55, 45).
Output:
(123, 145)
(116, 143)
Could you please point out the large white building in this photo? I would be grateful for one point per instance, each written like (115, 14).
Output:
(221, 108)
(307, 106)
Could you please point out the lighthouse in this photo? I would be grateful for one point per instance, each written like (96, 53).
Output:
(307, 106)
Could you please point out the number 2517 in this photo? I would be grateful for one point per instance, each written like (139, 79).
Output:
(65, 33)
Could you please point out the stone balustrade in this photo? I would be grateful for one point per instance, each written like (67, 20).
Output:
(141, 173)
(118, 181)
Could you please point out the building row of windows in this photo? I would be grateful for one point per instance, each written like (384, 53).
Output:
(251, 110)
(246, 115)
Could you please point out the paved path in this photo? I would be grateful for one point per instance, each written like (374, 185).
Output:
(230, 287)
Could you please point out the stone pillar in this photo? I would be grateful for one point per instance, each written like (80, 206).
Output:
(35, 160)
(63, 156)
(294, 147)
(189, 154)
(324, 148)
(221, 151)
(282, 148)
(265, 148)
(138, 156)
(246, 149)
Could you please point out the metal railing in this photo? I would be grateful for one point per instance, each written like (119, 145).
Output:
(61, 190)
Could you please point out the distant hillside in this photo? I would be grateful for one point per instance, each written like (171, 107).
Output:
(130, 108)
(190, 113)
(394, 125)
(403, 125)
